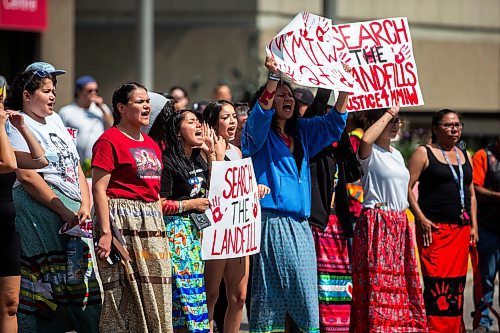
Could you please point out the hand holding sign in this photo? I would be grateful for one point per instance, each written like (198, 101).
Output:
(305, 53)
(384, 69)
(271, 65)
(234, 211)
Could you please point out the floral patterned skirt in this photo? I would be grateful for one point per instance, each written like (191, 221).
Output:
(189, 299)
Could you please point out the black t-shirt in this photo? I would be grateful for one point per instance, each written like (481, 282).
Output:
(176, 186)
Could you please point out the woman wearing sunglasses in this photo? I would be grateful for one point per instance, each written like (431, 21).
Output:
(188, 149)
(53, 298)
(445, 216)
(386, 292)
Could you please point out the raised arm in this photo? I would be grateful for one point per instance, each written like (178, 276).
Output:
(373, 132)
(7, 156)
(343, 98)
(341, 103)
(35, 159)
(267, 97)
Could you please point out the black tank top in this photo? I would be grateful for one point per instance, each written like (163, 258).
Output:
(6, 182)
(438, 194)
(7, 210)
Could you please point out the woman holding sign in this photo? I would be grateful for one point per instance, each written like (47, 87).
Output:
(221, 116)
(386, 287)
(284, 283)
(183, 192)
(445, 216)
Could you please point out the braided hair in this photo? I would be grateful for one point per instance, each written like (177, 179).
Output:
(122, 96)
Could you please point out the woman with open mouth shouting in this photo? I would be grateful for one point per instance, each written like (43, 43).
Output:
(52, 298)
(132, 245)
(221, 116)
(284, 282)
(188, 149)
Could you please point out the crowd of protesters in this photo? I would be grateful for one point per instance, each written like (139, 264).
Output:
(337, 251)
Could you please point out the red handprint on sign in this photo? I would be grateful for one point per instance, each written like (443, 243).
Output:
(215, 208)
(321, 31)
(441, 296)
(403, 54)
(344, 80)
(255, 210)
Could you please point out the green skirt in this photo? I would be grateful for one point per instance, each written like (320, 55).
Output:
(45, 287)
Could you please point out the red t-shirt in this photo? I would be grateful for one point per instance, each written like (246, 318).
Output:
(135, 166)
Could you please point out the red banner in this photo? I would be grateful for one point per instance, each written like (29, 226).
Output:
(25, 15)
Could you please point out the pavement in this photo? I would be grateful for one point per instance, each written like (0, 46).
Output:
(468, 307)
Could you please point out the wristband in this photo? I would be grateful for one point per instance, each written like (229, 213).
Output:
(181, 207)
(38, 158)
(274, 77)
(390, 113)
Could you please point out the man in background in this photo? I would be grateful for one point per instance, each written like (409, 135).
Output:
(87, 117)
(486, 177)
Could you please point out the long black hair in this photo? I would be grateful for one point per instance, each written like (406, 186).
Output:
(212, 111)
(122, 96)
(291, 125)
(437, 117)
(29, 81)
(166, 132)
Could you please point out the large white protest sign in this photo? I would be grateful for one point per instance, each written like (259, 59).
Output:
(304, 52)
(380, 54)
(234, 211)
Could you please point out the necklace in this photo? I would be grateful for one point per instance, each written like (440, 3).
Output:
(459, 180)
(141, 138)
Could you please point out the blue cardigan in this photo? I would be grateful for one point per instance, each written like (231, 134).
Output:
(275, 165)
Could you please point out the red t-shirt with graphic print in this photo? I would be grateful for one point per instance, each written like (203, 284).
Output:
(135, 166)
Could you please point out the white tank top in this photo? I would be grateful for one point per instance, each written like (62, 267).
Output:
(232, 153)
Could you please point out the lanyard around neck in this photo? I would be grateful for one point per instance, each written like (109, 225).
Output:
(458, 181)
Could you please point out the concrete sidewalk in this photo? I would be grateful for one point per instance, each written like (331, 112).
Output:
(468, 307)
